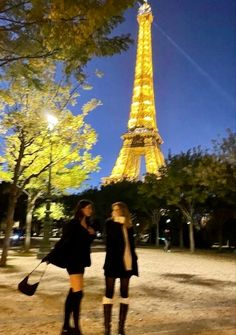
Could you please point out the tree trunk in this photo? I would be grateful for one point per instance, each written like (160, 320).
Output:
(28, 223)
(13, 196)
(156, 219)
(220, 237)
(188, 214)
(157, 233)
(191, 236)
(181, 235)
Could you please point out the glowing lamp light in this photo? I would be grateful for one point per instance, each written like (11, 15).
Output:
(52, 121)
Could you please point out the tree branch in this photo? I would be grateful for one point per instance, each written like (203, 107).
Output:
(4, 61)
(15, 6)
(34, 175)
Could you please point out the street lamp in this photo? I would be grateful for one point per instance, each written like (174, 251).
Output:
(45, 243)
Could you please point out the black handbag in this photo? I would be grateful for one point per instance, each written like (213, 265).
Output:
(30, 289)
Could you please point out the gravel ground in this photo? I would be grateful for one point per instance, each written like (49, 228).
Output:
(176, 293)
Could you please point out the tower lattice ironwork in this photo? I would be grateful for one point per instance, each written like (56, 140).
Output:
(142, 137)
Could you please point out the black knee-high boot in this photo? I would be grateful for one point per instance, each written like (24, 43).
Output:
(77, 296)
(66, 330)
(107, 309)
(122, 316)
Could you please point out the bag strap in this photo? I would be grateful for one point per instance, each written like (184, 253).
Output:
(34, 268)
(43, 272)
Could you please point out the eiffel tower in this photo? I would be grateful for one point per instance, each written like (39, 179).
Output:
(142, 137)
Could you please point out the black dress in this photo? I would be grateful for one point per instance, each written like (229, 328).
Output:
(72, 251)
(115, 246)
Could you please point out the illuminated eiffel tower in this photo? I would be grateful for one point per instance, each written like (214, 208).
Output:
(142, 137)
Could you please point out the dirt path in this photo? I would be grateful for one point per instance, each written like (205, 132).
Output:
(176, 293)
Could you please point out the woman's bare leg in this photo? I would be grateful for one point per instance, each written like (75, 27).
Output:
(77, 282)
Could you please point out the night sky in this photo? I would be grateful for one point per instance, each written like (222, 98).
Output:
(194, 57)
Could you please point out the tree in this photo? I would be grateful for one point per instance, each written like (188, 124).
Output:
(197, 182)
(28, 141)
(69, 171)
(179, 185)
(217, 173)
(68, 32)
(152, 205)
(57, 211)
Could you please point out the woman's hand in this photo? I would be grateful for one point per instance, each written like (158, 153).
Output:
(45, 260)
(91, 231)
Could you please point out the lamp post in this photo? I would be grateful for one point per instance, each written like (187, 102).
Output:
(45, 243)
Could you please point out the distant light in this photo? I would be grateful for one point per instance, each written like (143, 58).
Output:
(15, 237)
(168, 220)
(137, 224)
(188, 222)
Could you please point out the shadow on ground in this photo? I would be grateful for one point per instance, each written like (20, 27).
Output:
(196, 280)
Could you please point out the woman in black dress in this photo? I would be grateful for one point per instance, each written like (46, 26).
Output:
(120, 262)
(72, 252)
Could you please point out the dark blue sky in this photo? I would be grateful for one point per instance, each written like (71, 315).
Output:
(194, 57)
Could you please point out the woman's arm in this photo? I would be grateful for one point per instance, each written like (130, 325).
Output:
(67, 232)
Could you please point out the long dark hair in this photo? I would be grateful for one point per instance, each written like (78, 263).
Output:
(78, 209)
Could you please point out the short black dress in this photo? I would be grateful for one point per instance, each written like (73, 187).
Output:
(115, 246)
(72, 251)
